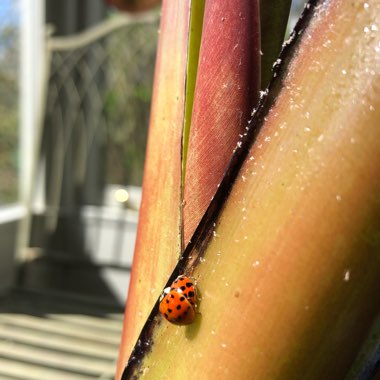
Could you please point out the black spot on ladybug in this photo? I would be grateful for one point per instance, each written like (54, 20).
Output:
(189, 284)
(185, 313)
(171, 296)
(167, 301)
(178, 307)
(191, 294)
(182, 288)
(170, 310)
(182, 299)
(166, 316)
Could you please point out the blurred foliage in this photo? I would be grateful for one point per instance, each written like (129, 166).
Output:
(127, 102)
(274, 16)
(9, 63)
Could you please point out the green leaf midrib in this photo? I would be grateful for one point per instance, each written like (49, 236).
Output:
(195, 34)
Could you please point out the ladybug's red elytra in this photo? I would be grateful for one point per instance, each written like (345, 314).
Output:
(178, 302)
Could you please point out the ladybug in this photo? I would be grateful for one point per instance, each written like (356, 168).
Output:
(185, 286)
(178, 302)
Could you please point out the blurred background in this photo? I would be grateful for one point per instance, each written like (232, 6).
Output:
(75, 90)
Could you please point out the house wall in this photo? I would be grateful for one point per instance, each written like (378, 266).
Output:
(9, 220)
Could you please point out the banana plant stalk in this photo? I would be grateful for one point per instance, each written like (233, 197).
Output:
(184, 41)
(226, 91)
(158, 241)
(287, 255)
